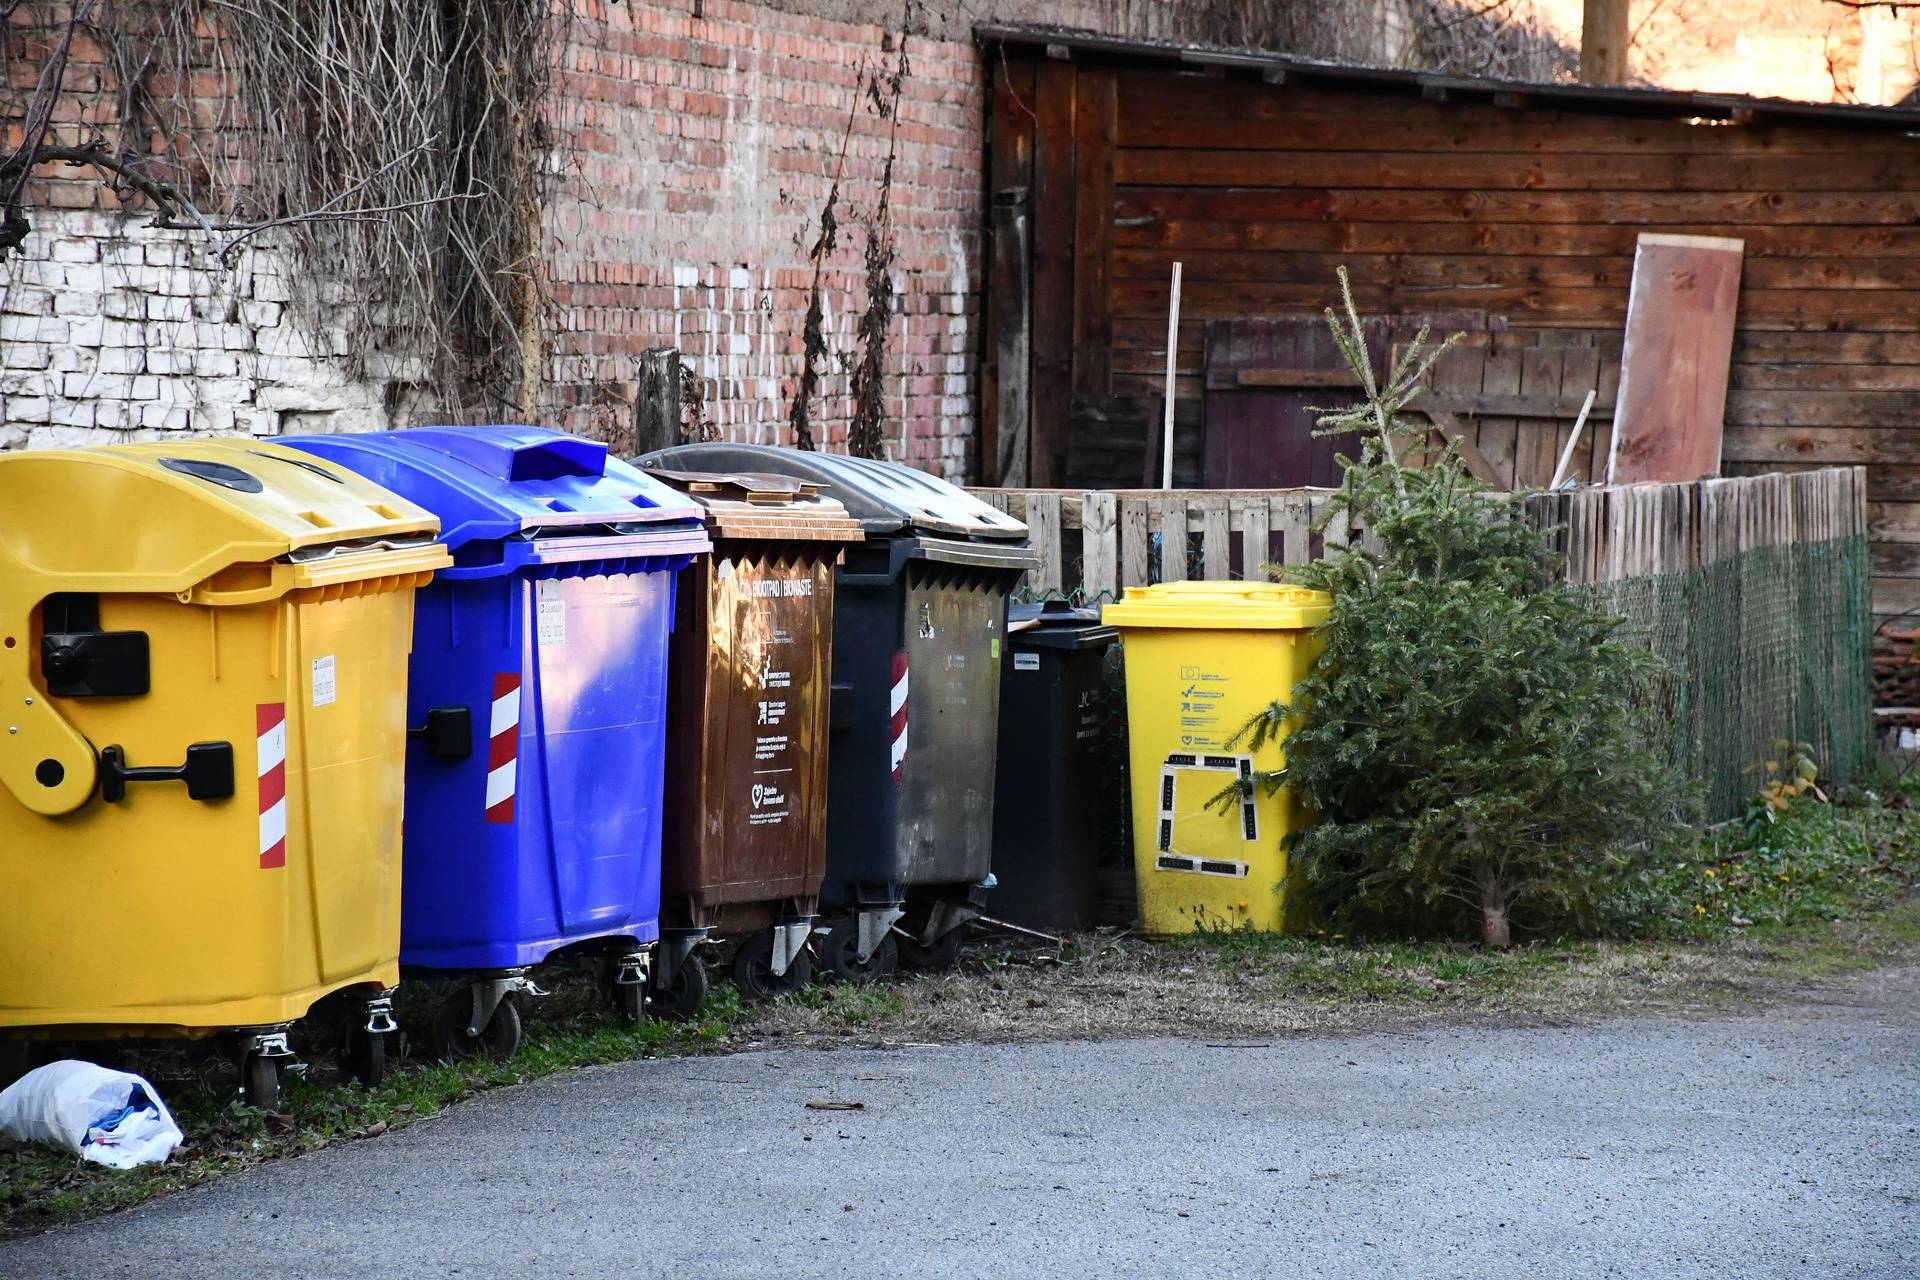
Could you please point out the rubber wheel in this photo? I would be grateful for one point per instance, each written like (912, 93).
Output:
(841, 951)
(629, 999)
(363, 1056)
(681, 998)
(943, 954)
(753, 970)
(500, 1038)
(260, 1082)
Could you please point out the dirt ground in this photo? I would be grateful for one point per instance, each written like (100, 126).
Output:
(1110, 986)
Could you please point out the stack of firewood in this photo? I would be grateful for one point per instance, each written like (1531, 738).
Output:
(1896, 669)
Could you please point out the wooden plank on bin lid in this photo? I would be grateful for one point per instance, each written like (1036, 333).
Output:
(756, 505)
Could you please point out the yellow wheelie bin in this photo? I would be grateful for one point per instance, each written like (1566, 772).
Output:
(1201, 659)
(203, 664)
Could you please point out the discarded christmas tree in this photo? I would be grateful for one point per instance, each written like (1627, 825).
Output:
(1475, 736)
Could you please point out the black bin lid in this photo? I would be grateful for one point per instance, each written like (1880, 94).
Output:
(1056, 624)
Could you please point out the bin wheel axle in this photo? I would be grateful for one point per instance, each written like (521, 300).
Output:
(499, 1038)
(753, 970)
(943, 953)
(841, 950)
(363, 1056)
(680, 996)
(264, 1059)
(260, 1082)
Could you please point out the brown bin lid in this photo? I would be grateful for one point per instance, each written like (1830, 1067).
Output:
(740, 504)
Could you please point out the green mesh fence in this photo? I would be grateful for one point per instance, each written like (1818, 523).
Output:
(1769, 644)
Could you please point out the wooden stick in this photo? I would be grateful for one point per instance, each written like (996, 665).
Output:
(1566, 454)
(1173, 343)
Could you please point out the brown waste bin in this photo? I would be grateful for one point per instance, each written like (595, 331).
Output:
(748, 709)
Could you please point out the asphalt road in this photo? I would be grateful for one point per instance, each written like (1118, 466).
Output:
(1783, 1144)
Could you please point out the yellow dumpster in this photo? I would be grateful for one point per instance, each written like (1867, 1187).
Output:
(1201, 659)
(203, 662)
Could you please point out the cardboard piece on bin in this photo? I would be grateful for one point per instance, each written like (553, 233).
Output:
(740, 505)
(885, 497)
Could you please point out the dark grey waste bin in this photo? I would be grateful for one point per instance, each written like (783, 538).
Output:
(1053, 770)
(919, 627)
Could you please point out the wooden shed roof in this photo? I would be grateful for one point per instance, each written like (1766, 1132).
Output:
(1278, 68)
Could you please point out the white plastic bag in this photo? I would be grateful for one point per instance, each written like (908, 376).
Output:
(108, 1117)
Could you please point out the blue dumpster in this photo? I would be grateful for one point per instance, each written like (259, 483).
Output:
(536, 705)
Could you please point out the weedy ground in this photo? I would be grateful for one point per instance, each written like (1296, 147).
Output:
(1766, 910)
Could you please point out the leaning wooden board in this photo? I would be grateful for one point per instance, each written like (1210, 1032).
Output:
(1679, 350)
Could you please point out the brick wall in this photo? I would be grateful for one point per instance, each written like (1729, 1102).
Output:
(707, 149)
(706, 146)
(112, 331)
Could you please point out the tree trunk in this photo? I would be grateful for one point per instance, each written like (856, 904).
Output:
(1494, 899)
(1494, 930)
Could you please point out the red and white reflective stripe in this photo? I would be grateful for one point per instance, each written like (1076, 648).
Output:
(503, 747)
(270, 749)
(899, 714)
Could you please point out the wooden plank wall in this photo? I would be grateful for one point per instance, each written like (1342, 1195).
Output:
(1523, 212)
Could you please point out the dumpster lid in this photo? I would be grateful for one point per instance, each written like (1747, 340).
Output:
(750, 505)
(1234, 606)
(166, 515)
(496, 482)
(1056, 624)
(885, 497)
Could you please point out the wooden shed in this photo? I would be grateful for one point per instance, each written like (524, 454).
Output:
(1509, 211)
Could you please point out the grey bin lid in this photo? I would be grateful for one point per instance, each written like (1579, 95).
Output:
(885, 497)
(1055, 624)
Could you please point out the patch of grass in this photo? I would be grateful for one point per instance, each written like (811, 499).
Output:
(844, 1006)
(41, 1188)
(1815, 863)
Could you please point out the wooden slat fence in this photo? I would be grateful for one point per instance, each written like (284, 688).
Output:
(1752, 589)
(1098, 542)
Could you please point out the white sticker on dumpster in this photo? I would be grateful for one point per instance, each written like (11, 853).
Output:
(550, 615)
(1026, 662)
(323, 681)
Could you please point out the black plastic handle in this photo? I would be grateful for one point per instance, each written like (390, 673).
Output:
(448, 733)
(208, 772)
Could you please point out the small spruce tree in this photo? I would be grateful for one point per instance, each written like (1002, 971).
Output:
(1475, 737)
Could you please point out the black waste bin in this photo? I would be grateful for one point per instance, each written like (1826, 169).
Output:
(1053, 770)
(918, 628)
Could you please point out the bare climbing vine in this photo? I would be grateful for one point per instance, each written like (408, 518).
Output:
(865, 432)
(401, 153)
(813, 341)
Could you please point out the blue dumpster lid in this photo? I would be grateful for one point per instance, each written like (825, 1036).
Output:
(498, 482)
(885, 497)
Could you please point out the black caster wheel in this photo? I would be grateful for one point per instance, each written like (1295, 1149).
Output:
(500, 1038)
(363, 1056)
(753, 970)
(629, 999)
(943, 954)
(680, 998)
(260, 1082)
(841, 950)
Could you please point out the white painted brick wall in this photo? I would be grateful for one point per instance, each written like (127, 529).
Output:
(113, 331)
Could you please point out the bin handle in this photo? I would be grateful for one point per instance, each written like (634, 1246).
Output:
(448, 733)
(208, 772)
(44, 761)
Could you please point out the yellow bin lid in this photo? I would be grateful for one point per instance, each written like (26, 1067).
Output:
(1220, 606)
(167, 516)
